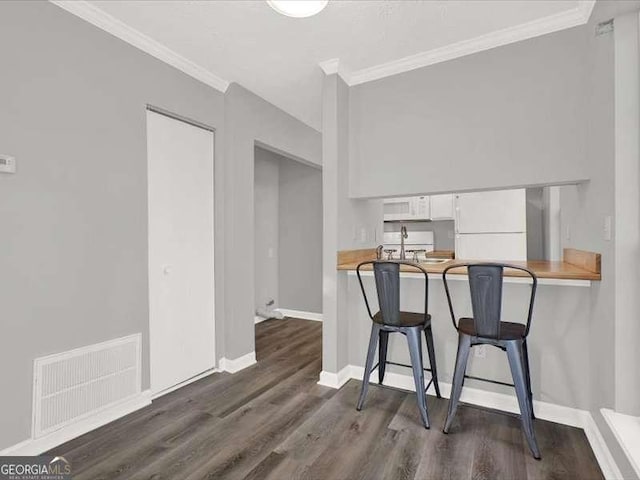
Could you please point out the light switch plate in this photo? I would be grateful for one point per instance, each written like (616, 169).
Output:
(7, 164)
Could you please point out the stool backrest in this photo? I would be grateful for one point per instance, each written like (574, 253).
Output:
(387, 278)
(485, 285)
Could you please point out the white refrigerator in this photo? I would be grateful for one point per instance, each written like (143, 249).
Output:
(491, 225)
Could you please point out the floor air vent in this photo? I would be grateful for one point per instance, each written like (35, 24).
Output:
(72, 385)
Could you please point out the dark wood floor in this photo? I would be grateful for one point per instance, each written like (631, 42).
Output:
(273, 421)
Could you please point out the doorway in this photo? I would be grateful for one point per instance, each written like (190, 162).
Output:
(180, 158)
(288, 237)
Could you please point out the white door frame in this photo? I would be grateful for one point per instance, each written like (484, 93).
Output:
(195, 123)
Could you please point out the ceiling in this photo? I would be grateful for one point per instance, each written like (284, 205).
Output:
(278, 57)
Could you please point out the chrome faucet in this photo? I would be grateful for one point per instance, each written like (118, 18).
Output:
(403, 235)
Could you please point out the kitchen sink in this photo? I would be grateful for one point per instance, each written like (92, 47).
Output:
(435, 261)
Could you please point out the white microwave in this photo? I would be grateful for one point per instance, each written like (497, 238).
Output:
(406, 208)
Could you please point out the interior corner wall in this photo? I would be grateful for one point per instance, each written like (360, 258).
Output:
(266, 227)
(73, 269)
(583, 209)
(511, 116)
(250, 120)
(347, 223)
(583, 212)
(627, 213)
(300, 226)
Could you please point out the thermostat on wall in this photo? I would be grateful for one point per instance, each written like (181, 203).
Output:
(7, 164)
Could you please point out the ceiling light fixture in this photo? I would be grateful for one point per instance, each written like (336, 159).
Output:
(298, 8)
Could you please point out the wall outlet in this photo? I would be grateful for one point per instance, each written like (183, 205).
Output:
(480, 351)
(364, 236)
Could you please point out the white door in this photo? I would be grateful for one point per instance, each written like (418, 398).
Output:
(492, 246)
(492, 212)
(181, 289)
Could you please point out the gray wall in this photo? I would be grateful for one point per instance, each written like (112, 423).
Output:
(73, 270)
(250, 120)
(266, 227)
(508, 117)
(300, 259)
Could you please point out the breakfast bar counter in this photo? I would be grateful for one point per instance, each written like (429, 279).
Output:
(558, 344)
(577, 266)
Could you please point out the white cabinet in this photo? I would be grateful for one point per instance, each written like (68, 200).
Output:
(442, 207)
(406, 208)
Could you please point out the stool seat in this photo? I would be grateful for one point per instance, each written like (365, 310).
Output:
(508, 330)
(407, 319)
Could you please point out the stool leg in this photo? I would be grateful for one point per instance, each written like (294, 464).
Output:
(527, 372)
(415, 351)
(464, 346)
(515, 354)
(375, 331)
(428, 333)
(382, 355)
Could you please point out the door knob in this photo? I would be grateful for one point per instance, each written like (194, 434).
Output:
(166, 269)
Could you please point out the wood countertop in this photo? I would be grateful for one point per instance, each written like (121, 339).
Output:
(577, 265)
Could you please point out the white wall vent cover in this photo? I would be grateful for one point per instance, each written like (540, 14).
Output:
(73, 385)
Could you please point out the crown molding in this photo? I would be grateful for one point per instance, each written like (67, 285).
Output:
(553, 23)
(119, 29)
(333, 66)
(329, 67)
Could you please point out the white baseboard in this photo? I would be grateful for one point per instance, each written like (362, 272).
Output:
(335, 380)
(600, 449)
(499, 401)
(185, 383)
(37, 446)
(626, 429)
(233, 365)
(300, 314)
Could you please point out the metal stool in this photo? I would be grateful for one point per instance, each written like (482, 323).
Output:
(486, 327)
(391, 319)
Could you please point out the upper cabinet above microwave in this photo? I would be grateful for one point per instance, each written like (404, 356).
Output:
(407, 208)
(442, 207)
(434, 207)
